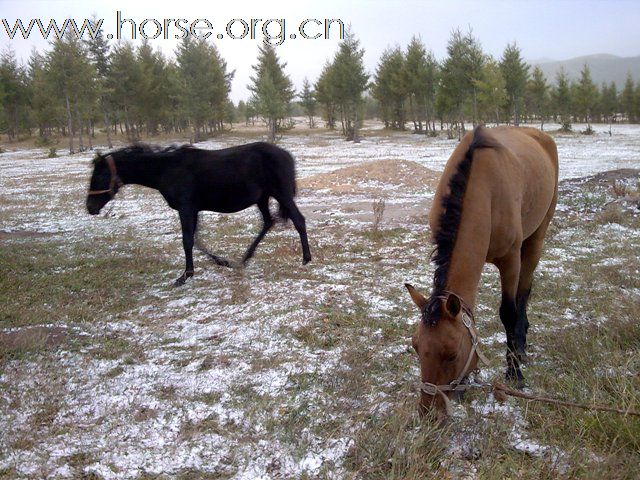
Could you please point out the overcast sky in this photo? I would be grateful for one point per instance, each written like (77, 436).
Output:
(555, 29)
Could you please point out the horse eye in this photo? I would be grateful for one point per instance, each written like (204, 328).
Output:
(451, 357)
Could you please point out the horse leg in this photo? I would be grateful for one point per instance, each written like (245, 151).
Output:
(529, 256)
(218, 260)
(267, 223)
(299, 222)
(509, 267)
(188, 222)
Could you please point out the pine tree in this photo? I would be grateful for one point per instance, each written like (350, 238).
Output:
(272, 89)
(627, 99)
(205, 85)
(308, 102)
(45, 111)
(586, 97)
(637, 102)
(562, 100)
(99, 53)
(460, 71)
(123, 86)
(492, 95)
(609, 102)
(516, 74)
(325, 94)
(421, 70)
(538, 95)
(150, 101)
(390, 88)
(73, 75)
(349, 84)
(13, 110)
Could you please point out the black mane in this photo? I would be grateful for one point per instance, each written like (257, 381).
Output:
(152, 150)
(449, 224)
(146, 149)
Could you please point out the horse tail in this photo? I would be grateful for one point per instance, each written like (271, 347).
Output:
(288, 184)
(481, 140)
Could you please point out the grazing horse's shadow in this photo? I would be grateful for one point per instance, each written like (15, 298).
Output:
(192, 180)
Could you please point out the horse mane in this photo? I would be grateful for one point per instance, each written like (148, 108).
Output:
(449, 224)
(148, 150)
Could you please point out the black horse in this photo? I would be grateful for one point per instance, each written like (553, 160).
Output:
(191, 179)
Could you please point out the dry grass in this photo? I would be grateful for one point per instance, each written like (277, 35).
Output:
(277, 362)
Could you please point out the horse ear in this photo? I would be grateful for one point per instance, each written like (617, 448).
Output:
(417, 297)
(453, 305)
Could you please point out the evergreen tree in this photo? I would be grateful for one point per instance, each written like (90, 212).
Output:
(349, 84)
(13, 109)
(390, 88)
(123, 87)
(99, 53)
(459, 74)
(637, 102)
(150, 101)
(492, 95)
(73, 74)
(45, 111)
(609, 102)
(586, 97)
(272, 89)
(516, 73)
(420, 72)
(538, 95)
(561, 96)
(205, 85)
(627, 100)
(325, 94)
(308, 102)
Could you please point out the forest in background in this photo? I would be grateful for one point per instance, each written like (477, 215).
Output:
(78, 86)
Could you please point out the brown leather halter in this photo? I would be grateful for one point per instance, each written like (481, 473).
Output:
(114, 182)
(457, 385)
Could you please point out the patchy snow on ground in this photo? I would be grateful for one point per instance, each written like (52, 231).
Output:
(221, 367)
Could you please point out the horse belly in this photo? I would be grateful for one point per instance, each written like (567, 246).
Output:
(230, 198)
(538, 197)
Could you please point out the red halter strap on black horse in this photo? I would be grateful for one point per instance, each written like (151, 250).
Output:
(114, 182)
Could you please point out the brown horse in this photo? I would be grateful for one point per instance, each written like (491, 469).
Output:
(493, 204)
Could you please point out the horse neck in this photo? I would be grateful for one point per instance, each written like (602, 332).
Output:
(471, 246)
(141, 170)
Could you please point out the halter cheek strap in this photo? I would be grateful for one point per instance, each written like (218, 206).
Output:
(457, 385)
(114, 182)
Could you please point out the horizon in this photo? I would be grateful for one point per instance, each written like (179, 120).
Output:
(569, 34)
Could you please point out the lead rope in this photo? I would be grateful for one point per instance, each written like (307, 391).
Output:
(500, 390)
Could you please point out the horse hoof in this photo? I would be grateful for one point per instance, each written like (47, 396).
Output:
(515, 378)
(522, 357)
(182, 279)
(306, 260)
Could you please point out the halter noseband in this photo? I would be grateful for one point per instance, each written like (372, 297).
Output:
(457, 385)
(114, 182)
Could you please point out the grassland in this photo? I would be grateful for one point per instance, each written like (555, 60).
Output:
(285, 371)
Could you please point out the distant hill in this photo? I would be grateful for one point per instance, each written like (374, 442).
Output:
(604, 68)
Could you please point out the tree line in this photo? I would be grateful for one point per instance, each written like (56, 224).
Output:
(77, 86)
(469, 85)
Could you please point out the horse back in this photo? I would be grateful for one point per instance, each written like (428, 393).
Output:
(522, 174)
(511, 184)
(230, 179)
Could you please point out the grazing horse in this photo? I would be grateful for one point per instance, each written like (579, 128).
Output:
(493, 204)
(191, 179)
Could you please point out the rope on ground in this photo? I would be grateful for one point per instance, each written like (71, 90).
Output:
(500, 390)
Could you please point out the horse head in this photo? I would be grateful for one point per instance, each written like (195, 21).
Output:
(445, 341)
(104, 184)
